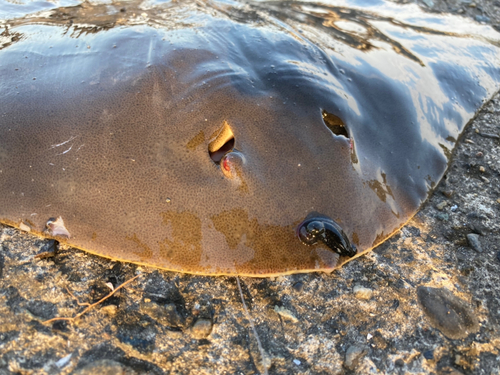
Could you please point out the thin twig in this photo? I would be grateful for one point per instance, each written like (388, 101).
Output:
(94, 304)
(263, 354)
(77, 302)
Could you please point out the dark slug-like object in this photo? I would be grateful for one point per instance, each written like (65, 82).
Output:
(327, 231)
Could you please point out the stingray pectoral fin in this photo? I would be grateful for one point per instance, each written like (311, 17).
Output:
(327, 259)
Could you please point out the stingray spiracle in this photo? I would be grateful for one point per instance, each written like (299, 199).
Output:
(324, 229)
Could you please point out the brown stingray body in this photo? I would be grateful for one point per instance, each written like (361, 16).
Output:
(112, 132)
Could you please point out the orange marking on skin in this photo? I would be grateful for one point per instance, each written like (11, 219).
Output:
(226, 165)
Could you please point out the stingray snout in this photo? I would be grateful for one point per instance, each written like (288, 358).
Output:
(321, 228)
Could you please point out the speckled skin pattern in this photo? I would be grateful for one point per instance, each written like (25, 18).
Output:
(109, 126)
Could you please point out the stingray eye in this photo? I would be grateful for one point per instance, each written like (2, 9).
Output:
(222, 142)
(324, 229)
(231, 163)
(335, 124)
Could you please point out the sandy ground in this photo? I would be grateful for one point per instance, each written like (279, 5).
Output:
(425, 302)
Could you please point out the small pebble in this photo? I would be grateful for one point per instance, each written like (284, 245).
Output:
(109, 310)
(429, 354)
(473, 240)
(298, 286)
(378, 341)
(201, 329)
(362, 293)
(353, 356)
(479, 154)
(25, 227)
(412, 231)
(481, 169)
(297, 362)
(448, 193)
(446, 312)
(442, 216)
(285, 313)
(453, 208)
(64, 361)
(484, 19)
(441, 205)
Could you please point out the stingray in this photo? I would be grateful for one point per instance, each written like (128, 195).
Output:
(256, 138)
